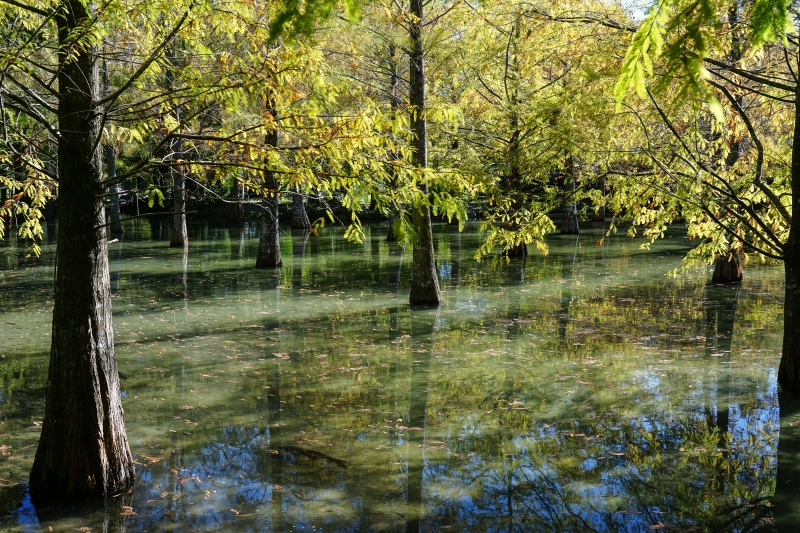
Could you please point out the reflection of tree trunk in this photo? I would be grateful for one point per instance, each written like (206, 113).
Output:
(569, 222)
(422, 334)
(727, 268)
(567, 270)
(720, 314)
(786, 501)
(394, 285)
(275, 441)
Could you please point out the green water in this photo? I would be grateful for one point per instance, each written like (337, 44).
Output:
(578, 391)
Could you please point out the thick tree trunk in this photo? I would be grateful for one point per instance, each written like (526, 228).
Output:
(299, 215)
(424, 280)
(83, 449)
(727, 268)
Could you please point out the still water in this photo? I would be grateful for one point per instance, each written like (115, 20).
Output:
(578, 391)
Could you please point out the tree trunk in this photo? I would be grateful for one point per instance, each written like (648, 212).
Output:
(394, 106)
(512, 182)
(83, 449)
(569, 224)
(299, 216)
(727, 268)
(180, 238)
(269, 247)
(235, 207)
(424, 280)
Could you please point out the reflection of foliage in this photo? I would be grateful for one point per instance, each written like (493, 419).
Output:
(524, 427)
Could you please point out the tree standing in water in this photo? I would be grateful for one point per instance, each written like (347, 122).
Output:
(424, 279)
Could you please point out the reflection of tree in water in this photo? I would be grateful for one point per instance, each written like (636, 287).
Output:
(592, 475)
(567, 272)
(299, 241)
(422, 334)
(719, 305)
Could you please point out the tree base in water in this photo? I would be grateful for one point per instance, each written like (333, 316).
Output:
(569, 224)
(727, 269)
(519, 250)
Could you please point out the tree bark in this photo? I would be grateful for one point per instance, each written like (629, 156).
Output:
(269, 247)
(424, 280)
(180, 237)
(83, 449)
(235, 208)
(299, 215)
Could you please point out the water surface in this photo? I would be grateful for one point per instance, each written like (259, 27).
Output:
(578, 391)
